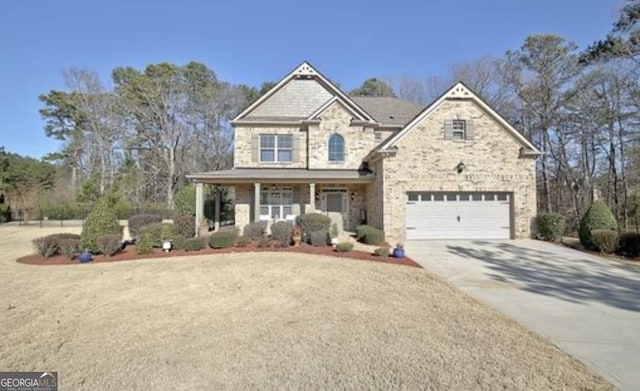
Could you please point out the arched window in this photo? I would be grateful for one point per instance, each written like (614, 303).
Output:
(336, 148)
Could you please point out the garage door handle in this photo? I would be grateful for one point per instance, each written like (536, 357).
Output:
(408, 228)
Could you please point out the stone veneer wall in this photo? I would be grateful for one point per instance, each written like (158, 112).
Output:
(243, 146)
(358, 141)
(426, 161)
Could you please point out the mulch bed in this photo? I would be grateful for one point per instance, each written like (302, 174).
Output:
(129, 253)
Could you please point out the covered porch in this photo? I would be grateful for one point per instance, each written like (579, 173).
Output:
(282, 194)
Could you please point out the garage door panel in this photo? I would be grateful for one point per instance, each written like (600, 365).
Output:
(480, 216)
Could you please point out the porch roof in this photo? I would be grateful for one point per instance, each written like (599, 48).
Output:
(282, 175)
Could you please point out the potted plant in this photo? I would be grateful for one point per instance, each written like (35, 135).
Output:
(297, 235)
(398, 251)
(85, 256)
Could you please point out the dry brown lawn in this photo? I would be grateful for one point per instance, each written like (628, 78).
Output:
(262, 321)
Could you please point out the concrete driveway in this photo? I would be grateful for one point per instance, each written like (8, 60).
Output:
(586, 305)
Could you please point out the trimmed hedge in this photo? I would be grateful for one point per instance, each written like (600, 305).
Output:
(160, 232)
(629, 244)
(551, 226)
(51, 245)
(344, 247)
(101, 221)
(606, 240)
(382, 252)
(69, 247)
(110, 244)
(256, 230)
(313, 222)
(144, 245)
(223, 239)
(45, 246)
(243, 241)
(369, 235)
(138, 221)
(597, 217)
(178, 243)
(194, 244)
(318, 238)
(185, 226)
(282, 232)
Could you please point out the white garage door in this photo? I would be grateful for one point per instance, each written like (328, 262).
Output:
(439, 215)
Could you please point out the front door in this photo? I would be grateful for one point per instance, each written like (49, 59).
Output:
(335, 206)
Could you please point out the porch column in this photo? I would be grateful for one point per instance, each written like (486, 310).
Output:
(256, 202)
(199, 205)
(216, 212)
(312, 197)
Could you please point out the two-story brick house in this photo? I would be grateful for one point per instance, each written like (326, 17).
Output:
(455, 169)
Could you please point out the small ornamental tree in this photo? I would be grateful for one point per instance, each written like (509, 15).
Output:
(598, 216)
(101, 221)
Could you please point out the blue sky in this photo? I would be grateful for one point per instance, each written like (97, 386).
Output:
(251, 42)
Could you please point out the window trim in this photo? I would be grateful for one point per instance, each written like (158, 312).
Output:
(276, 148)
(275, 206)
(336, 136)
(455, 130)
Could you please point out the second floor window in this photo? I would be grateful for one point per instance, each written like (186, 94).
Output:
(459, 129)
(276, 148)
(336, 148)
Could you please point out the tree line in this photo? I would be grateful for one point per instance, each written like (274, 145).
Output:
(138, 134)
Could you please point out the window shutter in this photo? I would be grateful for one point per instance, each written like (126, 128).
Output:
(296, 148)
(448, 129)
(469, 130)
(255, 148)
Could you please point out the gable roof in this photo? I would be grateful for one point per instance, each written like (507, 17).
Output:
(302, 73)
(389, 110)
(461, 91)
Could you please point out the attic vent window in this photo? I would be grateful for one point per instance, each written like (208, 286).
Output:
(459, 128)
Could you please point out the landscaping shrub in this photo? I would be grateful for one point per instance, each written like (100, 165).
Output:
(313, 222)
(45, 246)
(138, 221)
(362, 229)
(629, 244)
(551, 226)
(606, 240)
(184, 201)
(101, 221)
(144, 245)
(369, 235)
(598, 216)
(382, 252)
(282, 232)
(318, 238)
(160, 232)
(372, 235)
(69, 247)
(243, 241)
(110, 244)
(255, 230)
(194, 244)
(223, 238)
(264, 242)
(178, 243)
(185, 226)
(4, 213)
(344, 247)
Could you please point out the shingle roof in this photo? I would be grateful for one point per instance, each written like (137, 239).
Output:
(388, 110)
